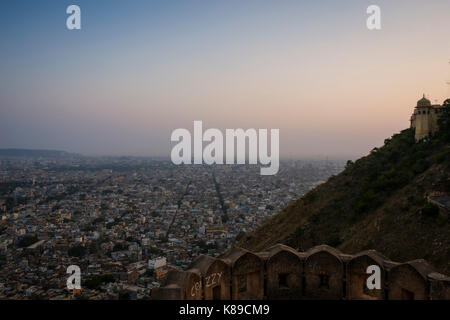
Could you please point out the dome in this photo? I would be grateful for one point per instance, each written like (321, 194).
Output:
(424, 102)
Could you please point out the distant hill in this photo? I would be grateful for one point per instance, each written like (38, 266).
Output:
(30, 153)
(379, 202)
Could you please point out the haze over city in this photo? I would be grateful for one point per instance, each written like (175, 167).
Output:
(138, 70)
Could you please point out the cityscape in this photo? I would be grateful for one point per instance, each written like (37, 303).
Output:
(218, 158)
(127, 221)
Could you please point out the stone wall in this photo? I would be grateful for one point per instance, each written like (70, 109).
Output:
(322, 272)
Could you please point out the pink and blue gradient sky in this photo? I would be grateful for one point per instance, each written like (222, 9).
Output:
(139, 69)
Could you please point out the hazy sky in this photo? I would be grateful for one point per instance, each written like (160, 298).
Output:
(137, 70)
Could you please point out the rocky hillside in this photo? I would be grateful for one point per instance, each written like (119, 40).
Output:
(381, 202)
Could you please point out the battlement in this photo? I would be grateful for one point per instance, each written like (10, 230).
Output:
(281, 272)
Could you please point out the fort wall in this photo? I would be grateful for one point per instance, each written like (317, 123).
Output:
(281, 272)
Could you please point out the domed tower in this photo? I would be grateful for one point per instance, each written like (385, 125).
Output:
(424, 118)
(423, 103)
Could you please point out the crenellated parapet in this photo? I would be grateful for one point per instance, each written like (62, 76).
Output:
(281, 272)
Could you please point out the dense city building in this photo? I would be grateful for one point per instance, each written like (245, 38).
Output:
(126, 222)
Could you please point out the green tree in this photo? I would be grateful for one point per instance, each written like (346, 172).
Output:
(27, 240)
(430, 210)
(224, 218)
(77, 251)
(444, 121)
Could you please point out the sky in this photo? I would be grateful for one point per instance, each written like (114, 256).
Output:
(137, 70)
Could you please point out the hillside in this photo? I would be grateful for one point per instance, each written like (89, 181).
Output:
(379, 202)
